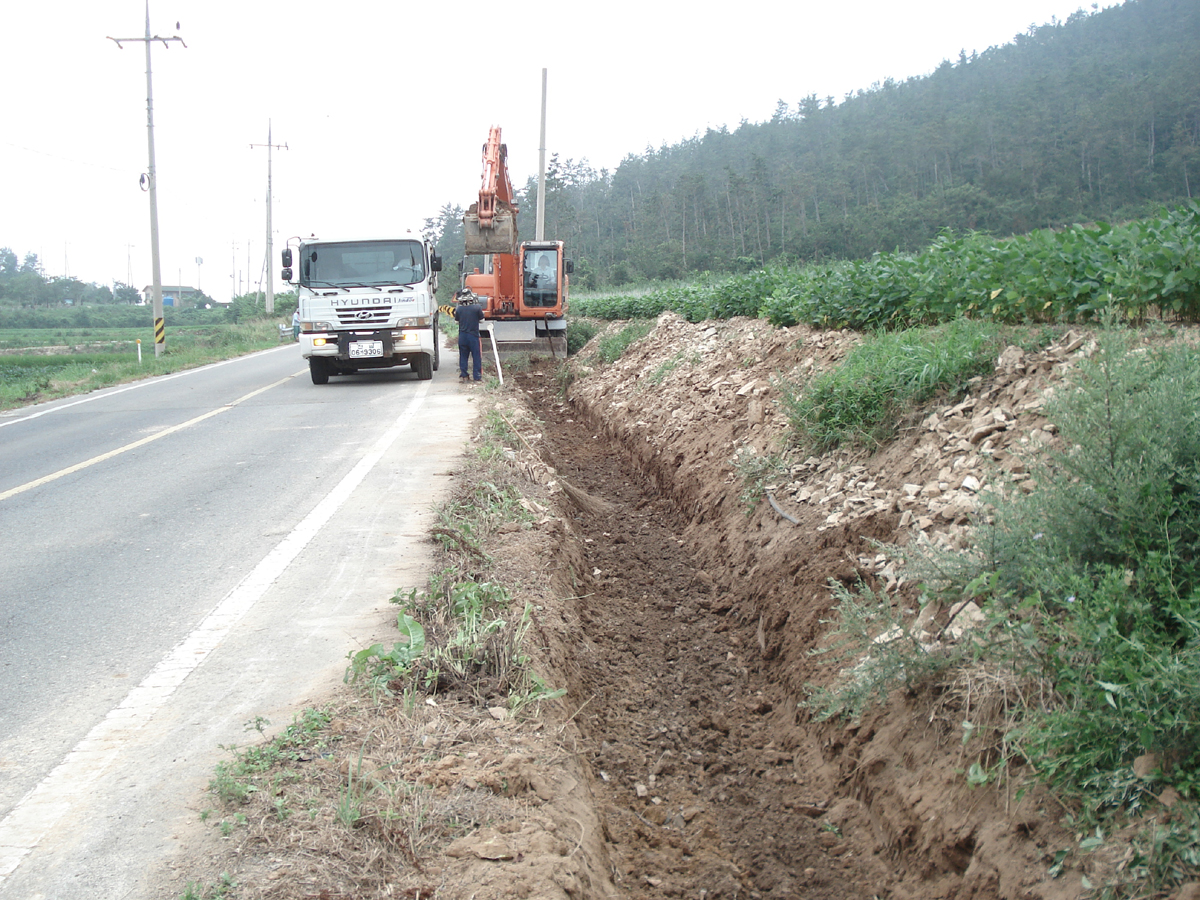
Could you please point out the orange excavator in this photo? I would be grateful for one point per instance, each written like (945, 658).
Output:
(522, 286)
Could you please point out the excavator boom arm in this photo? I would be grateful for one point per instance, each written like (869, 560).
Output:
(490, 226)
(496, 189)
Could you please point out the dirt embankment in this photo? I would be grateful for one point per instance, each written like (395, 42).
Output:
(699, 608)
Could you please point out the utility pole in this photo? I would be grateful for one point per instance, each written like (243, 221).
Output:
(160, 331)
(539, 230)
(270, 240)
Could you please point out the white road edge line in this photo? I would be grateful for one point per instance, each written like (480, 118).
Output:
(73, 779)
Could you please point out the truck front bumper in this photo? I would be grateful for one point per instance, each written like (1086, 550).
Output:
(394, 345)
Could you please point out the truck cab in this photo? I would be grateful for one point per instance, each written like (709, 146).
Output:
(366, 304)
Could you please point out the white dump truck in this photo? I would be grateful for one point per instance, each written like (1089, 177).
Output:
(366, 305)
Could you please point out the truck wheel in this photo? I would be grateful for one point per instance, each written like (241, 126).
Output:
(423, 366)
(318, 370)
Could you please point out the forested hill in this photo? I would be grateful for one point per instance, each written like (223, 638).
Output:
(1095, 118)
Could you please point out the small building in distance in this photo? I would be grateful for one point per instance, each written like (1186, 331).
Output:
(177, 295)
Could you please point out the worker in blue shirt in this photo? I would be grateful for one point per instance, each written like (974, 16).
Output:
(468, 314)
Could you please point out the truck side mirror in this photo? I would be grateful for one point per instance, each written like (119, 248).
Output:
(287, 258)
(569, 266)
(287, 275)
(435, 263)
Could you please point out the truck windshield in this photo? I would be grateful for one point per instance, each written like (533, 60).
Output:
(362, 263)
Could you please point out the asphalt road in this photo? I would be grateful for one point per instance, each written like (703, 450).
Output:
(181, 556)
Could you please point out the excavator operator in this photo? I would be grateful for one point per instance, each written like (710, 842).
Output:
(541, 281)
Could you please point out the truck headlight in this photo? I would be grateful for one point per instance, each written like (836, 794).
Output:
(415, 322)
(315, 326)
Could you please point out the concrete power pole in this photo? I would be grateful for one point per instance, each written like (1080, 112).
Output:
(160, 331)
(540, 227)
(270, 239)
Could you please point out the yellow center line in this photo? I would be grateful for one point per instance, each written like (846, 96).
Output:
(30, 485)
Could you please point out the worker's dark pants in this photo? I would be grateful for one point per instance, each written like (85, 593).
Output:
(468, 346)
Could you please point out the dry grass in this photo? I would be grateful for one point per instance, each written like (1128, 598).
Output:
(579, 498)
(376, 794)
(982, 704)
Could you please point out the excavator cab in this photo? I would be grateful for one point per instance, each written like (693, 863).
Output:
(541, 277)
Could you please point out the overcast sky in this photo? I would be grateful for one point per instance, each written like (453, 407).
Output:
(384, 106)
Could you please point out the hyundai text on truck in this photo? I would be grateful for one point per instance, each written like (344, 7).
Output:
(366, 305)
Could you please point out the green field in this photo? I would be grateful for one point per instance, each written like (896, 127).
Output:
(89, 340)
(62, 362)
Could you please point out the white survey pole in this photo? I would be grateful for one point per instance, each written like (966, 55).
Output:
(160, 331)
(540, 228)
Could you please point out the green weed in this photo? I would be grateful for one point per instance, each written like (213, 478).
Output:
(885, 379)
(611, 347)
(194, 890)
(379, 665)
(755, 472)
(350, 801)
(660, 374)
(236, 779)
(870, 634)
(579, 332)
(564, 377)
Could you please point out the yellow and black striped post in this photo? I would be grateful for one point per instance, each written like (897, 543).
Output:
(160, 332)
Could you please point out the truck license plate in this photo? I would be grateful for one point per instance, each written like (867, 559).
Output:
(362, 349)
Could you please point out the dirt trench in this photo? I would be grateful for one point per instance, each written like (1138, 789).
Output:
(697, 775)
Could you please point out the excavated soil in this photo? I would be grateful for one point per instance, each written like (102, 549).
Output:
(680, 614)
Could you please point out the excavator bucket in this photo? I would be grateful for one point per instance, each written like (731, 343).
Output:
(501, 237)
